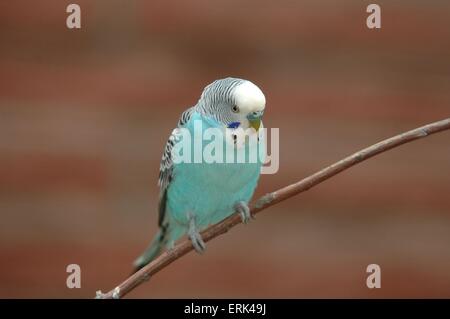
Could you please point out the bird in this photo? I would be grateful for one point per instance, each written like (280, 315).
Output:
(194, 195)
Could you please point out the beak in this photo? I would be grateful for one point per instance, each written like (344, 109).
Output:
(254, 119)
(256, 123)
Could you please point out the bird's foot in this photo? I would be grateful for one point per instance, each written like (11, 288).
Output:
(243, 210)
(171, 246)
(194, 235)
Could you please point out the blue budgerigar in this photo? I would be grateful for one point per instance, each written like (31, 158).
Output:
(196, 194)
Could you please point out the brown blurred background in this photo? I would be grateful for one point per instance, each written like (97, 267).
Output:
(84, 116)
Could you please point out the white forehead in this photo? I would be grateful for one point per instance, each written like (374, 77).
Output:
(249, 98)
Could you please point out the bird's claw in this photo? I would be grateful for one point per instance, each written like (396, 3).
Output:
(197, 242)
(244, 211)
(194, 236)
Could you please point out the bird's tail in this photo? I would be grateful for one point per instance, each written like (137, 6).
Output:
(151, 251)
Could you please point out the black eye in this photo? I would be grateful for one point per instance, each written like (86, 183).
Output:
(235, 108)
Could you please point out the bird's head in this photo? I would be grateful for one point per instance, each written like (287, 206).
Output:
(235, 103)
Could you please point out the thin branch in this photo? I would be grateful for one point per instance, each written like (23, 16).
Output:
(270, 199)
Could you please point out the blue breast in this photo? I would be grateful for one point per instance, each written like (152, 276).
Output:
(210, 190)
